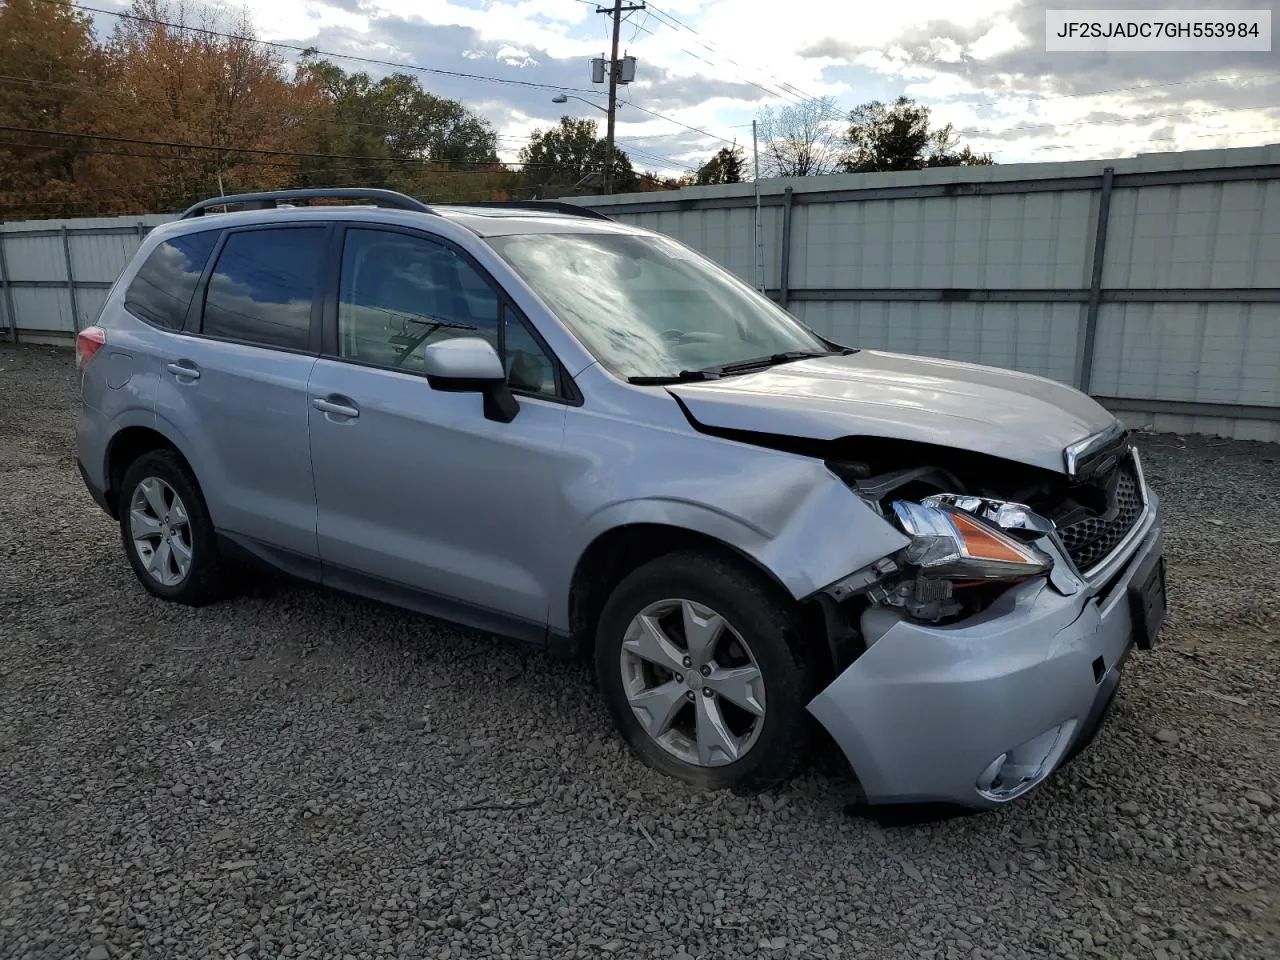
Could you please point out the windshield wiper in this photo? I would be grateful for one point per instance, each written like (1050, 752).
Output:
(740, 366)
(684, 376)
(770, 360)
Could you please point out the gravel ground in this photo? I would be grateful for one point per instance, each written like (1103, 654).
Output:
(300, 774)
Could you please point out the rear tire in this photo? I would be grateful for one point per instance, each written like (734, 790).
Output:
(703, 667)
(166, 531)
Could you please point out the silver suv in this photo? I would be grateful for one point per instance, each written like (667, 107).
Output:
(533, 420)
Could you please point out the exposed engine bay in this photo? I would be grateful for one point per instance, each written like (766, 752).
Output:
(979, 524)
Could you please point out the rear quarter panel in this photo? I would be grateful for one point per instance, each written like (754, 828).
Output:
(119, 387)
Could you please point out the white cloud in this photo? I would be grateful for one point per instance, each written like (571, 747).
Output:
(1001, 38)
(975, 63)
(514, 57)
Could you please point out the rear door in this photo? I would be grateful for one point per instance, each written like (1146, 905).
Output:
(234, 388)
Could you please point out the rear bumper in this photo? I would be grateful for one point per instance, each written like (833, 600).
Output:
(95, 491)
(92, 432)
(927, 713)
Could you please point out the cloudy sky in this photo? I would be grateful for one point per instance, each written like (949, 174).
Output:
(707, 66)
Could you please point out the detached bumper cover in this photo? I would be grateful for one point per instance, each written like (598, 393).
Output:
(927, 712)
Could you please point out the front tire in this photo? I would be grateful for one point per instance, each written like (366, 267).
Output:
(704, 670)
(166, 531)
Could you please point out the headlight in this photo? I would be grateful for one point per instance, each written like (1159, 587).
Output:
(950, 544)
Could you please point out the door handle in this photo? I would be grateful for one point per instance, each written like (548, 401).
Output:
(337, 406)
(183, 368)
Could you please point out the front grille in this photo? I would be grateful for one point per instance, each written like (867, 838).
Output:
(1091, 539)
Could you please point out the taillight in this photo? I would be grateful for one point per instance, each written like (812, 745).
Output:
(88, 342)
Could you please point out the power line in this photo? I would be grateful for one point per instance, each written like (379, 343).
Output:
(304, 155)
(129, 99)
(676, 23)
(501, 138)
(676, 122)
(640, 26)
(360, 161)
(645, 153)
(325, 53)
(685, 50)
(262, 151)
(370, 60)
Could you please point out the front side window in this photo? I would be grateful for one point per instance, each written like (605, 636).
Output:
(160, 292)
(399, 293)
(263, 285)
(649, 307)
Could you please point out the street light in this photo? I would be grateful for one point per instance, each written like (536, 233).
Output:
(566, 97)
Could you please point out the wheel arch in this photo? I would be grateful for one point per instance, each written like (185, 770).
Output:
(616, 552)
(124, 449)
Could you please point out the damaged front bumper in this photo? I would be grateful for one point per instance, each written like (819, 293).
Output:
(981, 711)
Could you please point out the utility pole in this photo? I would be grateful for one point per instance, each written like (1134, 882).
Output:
(616, 12)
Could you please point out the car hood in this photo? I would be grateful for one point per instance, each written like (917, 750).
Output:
(1012, 415)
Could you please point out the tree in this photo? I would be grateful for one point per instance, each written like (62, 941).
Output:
(800, 140)
(898, 137)
(725, 167)
(565, 155)
(56, 72)
(229, 94)
(652, 182)
(384, 123)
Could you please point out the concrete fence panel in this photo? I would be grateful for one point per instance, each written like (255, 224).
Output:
(1153, 283)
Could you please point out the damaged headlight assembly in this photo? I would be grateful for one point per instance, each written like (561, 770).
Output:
(948, 543)
(956, 542)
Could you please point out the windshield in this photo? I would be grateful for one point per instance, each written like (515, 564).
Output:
(649, 307)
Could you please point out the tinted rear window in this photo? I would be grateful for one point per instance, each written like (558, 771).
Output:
(162, 289)
(262, 287)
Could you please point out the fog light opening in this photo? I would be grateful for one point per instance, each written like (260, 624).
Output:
(989, 779)
(1017, 770)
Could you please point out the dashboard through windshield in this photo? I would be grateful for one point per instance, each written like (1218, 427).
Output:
(648, 307)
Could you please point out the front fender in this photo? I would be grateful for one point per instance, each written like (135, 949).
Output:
(798, 522)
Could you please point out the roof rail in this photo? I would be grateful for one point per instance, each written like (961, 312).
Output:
(272, 199)
(546, 206)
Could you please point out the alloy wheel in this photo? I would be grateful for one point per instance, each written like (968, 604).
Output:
(692, 682)
(161, 531)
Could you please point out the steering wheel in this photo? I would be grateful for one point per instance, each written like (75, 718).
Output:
(674, 336)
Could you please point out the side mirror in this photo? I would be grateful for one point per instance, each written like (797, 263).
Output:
(471, 365)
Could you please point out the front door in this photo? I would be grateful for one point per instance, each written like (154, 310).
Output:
(415, 489)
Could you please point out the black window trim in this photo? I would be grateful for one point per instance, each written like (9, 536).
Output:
(182, 327)
(195, 315)
(567, 391)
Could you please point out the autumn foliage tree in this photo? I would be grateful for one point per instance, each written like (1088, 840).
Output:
(181, 101)
(228, 94)
(54, 72)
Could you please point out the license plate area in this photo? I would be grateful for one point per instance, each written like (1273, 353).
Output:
(1147, 602)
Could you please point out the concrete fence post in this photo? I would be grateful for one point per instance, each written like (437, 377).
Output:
(784, 255)
(11, 315)
(71, 279)
(1095, 281)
